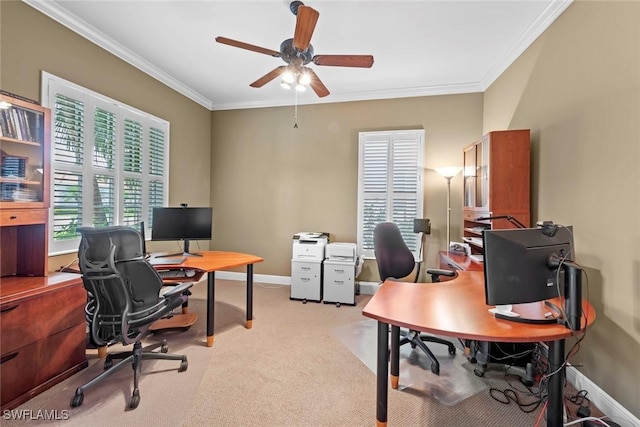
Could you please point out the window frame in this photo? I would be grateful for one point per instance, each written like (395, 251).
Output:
(391, 137)
(53, 85)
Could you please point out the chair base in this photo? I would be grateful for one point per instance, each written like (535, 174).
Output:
(417, 340)
(135, 358)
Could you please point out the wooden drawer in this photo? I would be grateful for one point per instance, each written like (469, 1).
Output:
(31, 369)
(11, 217)
(25, 321)
(471, 215)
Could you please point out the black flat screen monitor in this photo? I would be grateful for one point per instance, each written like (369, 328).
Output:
(522, 265)
(184, 223)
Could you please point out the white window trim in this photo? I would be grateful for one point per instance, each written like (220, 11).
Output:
(50, 85)
(419, 133)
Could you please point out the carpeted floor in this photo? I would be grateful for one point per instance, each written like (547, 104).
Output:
(290, 369)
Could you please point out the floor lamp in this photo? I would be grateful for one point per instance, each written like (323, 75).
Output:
(448, 173)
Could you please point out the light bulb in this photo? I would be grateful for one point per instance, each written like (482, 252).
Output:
(304, 79)
(300, 87)
(285, 85)
(288, 77)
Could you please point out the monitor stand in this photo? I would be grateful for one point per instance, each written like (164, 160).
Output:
(504, 310)
(184, 253)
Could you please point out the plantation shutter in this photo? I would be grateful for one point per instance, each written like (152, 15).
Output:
(389, 184)
(109, 162)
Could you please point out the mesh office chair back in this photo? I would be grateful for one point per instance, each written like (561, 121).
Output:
(123, 301)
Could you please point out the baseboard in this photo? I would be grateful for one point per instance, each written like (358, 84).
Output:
(366, 288)
(608, 405)
(261, 278)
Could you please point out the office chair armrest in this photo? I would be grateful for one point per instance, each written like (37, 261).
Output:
(177, 290)
(437, 272)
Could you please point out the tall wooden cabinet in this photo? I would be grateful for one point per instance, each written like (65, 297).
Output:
(496, 184)
(42, 323)
(24, 186)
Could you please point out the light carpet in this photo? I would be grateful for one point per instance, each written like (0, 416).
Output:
(159, 381)
(455, 382)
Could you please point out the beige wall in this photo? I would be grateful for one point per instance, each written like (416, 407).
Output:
(578, 89)
(270, 180)
(51, 47)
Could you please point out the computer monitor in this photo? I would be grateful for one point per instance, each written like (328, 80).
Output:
(529, 265)
(183, 223)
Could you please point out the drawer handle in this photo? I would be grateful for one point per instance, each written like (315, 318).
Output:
(8, 308)
(339, 281)
(8, 357)
(305, 268)
(339, 271)
(13, 217)
(305, 279)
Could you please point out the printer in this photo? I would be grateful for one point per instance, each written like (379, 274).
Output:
(309, 246)
(308, 254)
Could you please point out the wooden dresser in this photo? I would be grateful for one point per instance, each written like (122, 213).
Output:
(42, 334)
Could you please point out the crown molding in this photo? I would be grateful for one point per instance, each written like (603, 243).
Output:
(61, 16)
(537, 27)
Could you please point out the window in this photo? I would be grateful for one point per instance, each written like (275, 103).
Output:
(109, 162)
(390, 184)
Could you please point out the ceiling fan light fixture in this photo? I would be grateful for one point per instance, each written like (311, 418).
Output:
(285, 84)
(300, 87)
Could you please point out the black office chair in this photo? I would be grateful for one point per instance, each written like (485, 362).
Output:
(395, 260)
(123, 301)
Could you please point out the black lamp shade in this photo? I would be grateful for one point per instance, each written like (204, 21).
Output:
(422, 225)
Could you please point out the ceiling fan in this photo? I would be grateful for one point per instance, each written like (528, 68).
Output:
(298, 52)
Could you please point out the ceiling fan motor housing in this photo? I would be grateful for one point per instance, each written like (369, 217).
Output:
(291, 55)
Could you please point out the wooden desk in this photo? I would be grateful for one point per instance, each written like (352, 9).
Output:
(457, 309)
(212, 261)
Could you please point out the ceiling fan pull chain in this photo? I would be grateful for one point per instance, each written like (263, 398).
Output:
(295, 114)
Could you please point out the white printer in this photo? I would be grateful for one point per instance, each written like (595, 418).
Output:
(340, 270)
(308, 254)
(309, 245)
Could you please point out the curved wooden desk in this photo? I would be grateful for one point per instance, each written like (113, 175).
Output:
(457, 308)
(212, 261)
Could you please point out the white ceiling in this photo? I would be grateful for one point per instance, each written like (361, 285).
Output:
(420, 47)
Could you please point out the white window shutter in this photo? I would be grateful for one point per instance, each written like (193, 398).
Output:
(389, 184)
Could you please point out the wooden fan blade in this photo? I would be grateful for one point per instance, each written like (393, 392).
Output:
(269, 76)
(318, 87)
(363, 61)
(247, 46)
(305, 24)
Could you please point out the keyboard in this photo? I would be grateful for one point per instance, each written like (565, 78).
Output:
(175, 274)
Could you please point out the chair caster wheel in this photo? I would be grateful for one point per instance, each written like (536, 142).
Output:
(452, 350)
(77, 400)
(164, 348)
(108, 363)
(135, 400)
(304, 301)
(337, 304)
(183, 365)
(478, 372)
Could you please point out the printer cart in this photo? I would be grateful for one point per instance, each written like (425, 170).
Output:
(306, 266)
(306, 280)
(339, 282)
(339, 273)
